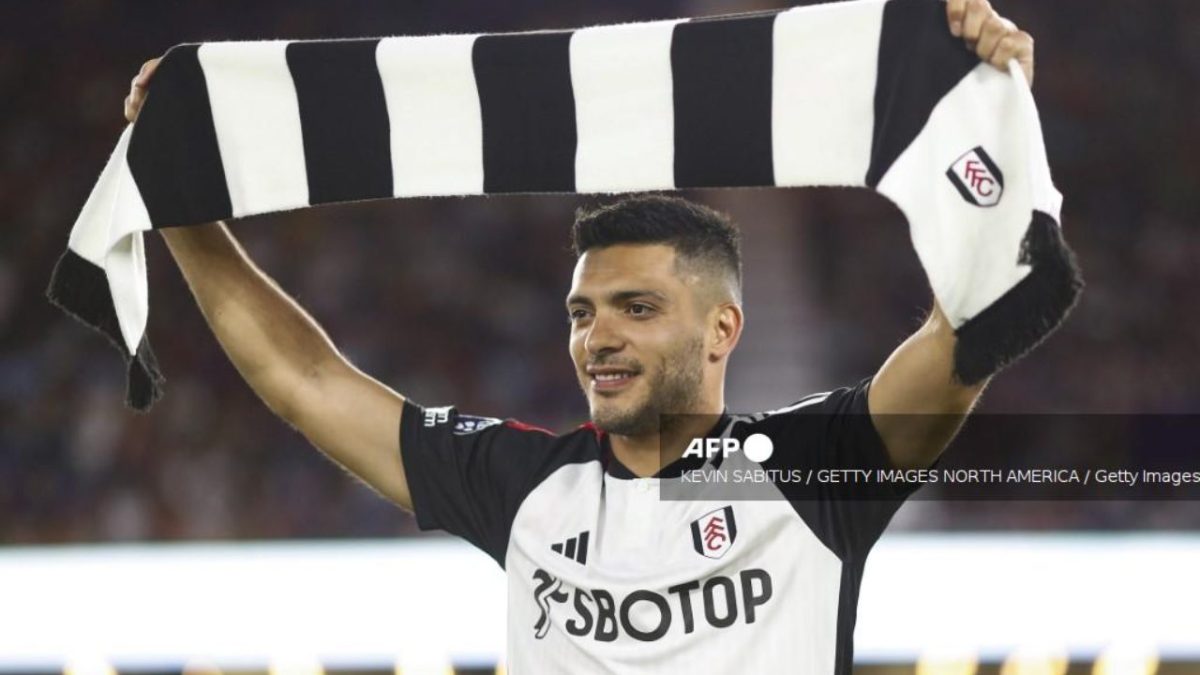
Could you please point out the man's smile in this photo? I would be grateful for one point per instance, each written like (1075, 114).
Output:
(610, 379)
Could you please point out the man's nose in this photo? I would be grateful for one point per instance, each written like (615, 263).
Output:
(602, 336)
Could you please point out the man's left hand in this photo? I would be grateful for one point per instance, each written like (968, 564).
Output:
(994, 38)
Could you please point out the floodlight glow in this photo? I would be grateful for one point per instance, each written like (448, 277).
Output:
(1125, 658)
(88, 665)
(947, 662)
(1036, 661)
(296, 665)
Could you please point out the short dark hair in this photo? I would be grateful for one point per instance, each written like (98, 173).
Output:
(698, 233)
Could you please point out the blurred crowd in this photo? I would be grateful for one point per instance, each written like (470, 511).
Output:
(460, 300)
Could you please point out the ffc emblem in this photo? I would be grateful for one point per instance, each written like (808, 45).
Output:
(977, 178)
(714, 533)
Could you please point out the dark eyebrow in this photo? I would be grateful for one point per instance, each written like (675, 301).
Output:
(619, 297)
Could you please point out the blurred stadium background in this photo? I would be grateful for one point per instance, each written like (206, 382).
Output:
(460, 301)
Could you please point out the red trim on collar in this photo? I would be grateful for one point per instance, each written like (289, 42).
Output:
(599, 433)
(525, 426)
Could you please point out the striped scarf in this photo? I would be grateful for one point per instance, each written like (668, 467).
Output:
(872, 93)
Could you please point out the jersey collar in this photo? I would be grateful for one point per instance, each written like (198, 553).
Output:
(614, 468)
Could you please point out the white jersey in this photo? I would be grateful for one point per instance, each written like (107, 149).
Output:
(606, 575)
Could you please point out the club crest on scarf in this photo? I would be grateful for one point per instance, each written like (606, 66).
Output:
(977, 178)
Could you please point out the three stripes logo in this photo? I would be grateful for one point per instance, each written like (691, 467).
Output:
(714, 533)
(977, 178)
(574, 548)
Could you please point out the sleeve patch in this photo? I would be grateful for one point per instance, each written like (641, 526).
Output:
(436, 416)
(469, 424)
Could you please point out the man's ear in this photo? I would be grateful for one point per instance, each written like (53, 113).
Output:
(725, 329)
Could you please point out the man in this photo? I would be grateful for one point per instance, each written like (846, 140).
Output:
(603, 573)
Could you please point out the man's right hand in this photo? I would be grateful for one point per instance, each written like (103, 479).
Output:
(138, 88)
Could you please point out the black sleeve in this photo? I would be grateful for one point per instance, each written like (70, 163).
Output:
(468, 475)
(835, 431)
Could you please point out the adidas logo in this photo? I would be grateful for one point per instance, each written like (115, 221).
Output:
(574, 548)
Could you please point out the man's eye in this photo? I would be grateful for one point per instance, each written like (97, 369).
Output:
(576, 314)
(639, 309)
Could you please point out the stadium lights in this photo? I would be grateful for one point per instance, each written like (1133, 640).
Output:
(947, 662)
(1036, 661)
(293, 665)
(1125, 658)
(93, 665)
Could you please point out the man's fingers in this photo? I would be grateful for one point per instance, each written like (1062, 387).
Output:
(955, 11)
(146, 72)
(1024, 54)
(977, 12)
(133, 100)
(993, 38)
(1019, 46)
(137, 89)
(1006, 48)
(994, 29)
(133, 103)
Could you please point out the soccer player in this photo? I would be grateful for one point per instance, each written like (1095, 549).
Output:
(603, 573)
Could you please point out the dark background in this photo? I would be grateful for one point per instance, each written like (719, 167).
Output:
(460, 300)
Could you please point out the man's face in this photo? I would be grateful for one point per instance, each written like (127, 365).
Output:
(637, 336)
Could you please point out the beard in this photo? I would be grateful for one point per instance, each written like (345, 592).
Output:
(674, 389)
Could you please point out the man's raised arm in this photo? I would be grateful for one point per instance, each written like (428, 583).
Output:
(285, 357)
(916, 403)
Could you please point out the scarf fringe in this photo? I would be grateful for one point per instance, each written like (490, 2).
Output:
(80, 288)
(1026, 315)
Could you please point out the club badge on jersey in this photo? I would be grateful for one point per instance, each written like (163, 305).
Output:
(713, 533)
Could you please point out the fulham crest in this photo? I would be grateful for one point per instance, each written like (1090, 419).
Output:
(714, 533)
(977, 178)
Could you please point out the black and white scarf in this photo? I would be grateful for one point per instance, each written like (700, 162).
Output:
(871, 93)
